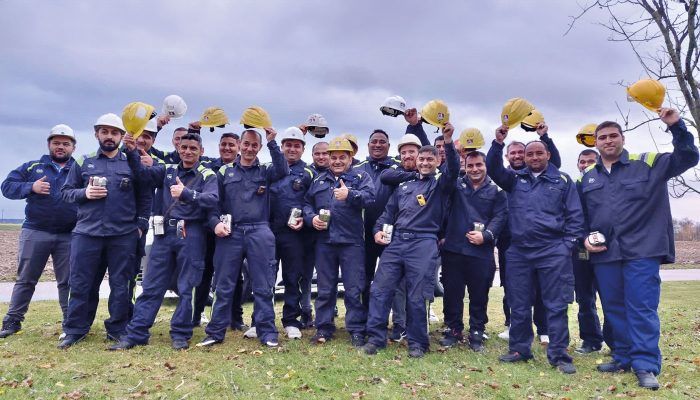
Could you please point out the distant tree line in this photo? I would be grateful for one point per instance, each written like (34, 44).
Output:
(686, 229)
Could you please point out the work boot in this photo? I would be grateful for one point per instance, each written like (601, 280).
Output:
(114, 337)
(565, 367)
(319, 338)
(369, 349)
(180, 344)
(70, 340)
(647, 380)
(9, 328)
(476, 341)
(612, 366)
(451, 338)
(416, 352)
(512, 357)
(357, 340)
(124, 344)
(239, 326)
(398, 333)
(588, 348)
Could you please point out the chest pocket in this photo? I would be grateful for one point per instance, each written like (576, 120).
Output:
(592, 195)
(634, 189)
(553, 194)
(521, 192)
(484, 203)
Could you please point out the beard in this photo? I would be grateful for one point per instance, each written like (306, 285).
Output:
(108, 146)
(60, 159)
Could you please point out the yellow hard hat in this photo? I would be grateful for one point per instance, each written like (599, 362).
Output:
(341, 143)
(256, 117)
(353, 142)
(135, 117)
(514, 112)
(530, 122)
(647, 92)
(586, 135)
(435, 113)
(213, 116)
(471, 138)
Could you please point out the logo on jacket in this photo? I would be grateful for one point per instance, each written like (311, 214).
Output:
(90, 166)
(39, 171)
(523, 180)
(591, 180)
(170, 176)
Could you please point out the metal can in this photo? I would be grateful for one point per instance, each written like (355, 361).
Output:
(324, 215)
(181, 231)
(388, 230)
(158, 225)
(478, 226)
(596, 239)
(293, 215)
(226, 220)
(99, 181)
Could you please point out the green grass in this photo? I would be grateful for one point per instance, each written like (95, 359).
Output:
(10, 227)
(32, 367)
(680, 266)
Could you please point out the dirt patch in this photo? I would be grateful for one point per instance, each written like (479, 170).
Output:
(687, 252)
(8, 258)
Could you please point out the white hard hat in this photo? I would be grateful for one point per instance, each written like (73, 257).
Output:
(393, 106)
(409, 138)
(292, 133)
(62, 130)
(174, 106)
(152, 126)
(110, 119)
(317, 125)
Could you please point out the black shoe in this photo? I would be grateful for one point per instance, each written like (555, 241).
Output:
(70, 340)
(319, 338)
(357, 340)
(476, 341)
(208, 341)
(647, 380)
(124, 344)
(398, 333)
(513, 356)
(114, 337)
(369, 349)
(451, 338)
(239, 326)
(9, 329)
(588, 348)
(180, 344)
(565, 367)
(307, 321)
(416, 352)
(612, 366)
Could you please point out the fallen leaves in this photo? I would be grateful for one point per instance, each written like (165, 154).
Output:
(170, 366)
(74, 395)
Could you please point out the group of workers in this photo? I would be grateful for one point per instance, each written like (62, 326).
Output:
(383, 225)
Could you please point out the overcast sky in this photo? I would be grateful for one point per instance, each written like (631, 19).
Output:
(71, 61)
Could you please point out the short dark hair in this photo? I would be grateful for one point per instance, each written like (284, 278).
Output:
(608, 124)
(192, 136)
(429, 149)
(229, 135)
(587, 152)
(314, 146)
(252, 131)
(378, 131)
(476, 153)
(439, 138)
(537, 141)
(514, 143)
(182, 128)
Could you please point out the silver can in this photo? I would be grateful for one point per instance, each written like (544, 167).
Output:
(324, 215)
(596, 239)
(388, 231)
(478, 226)
(226, 220)
(158, 225)
(99, 181)
(293, 215)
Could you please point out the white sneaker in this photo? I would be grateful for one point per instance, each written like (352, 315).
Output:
(292, 332)
(505, 335)
(204, 319)
(251, 333)
(62, 336)
(433, 317)
(544, 339)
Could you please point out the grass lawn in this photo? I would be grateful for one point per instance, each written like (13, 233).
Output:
(10, 227)
(32, 367)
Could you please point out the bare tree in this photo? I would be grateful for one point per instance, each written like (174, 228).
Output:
(664, 37)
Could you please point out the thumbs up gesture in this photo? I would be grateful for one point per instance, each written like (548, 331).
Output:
(146, 159)
(177, 188)
(341, 193)
(41, 186)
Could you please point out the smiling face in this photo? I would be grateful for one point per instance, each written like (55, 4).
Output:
(292, 150)
(61, 148)
(250, 147)
(145, 141)
(427, 162)
(475, 166)
(409, 154)
(378, 146)
(585, 160)
(320, 155)
(340, 162)
(536, 156)
(228, 149)
(177, 135)
(516, 156)
(189, 152)
(609, 141)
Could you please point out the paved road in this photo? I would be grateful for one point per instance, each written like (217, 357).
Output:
(47, 290)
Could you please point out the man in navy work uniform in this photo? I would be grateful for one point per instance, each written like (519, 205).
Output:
(111, 216)
(626, 199)
(377, 161)
(416, 212)
(478, 212)
(334, 206)
(585, 287)
(546, 220)
(47, 224)
(286, 194)
(244, 194)
(188, 195)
